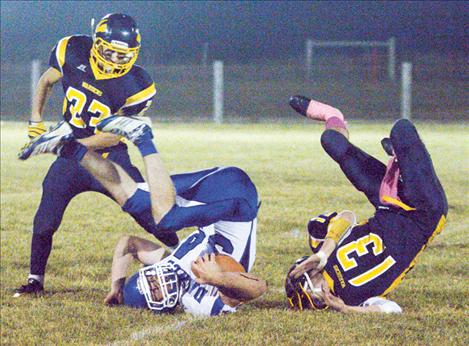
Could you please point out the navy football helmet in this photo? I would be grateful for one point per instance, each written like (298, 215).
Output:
(301, 293)
(116, 44)
(154, 287)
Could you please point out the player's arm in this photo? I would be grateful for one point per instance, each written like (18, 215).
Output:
(104, 140)
(100, 141)
(336, 228)
(41, 96)
(235, 288)
(127, 249)
(375, 304)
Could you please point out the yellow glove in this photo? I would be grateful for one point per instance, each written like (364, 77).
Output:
(36, 128)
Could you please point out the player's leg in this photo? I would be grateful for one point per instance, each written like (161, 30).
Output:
(223, 194)
(115, 181)
(62, 182)
(362, 170)
(421, 186)
(119, 178)
(138, 131)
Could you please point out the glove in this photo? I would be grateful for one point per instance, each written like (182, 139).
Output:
(299, 103)
(36, 128)
(317, 226)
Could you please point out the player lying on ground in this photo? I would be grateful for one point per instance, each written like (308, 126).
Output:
(222, 202)
(190, 277)
(99, 78)
(354, 267)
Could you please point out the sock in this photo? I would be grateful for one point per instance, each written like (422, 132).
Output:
(334, 122)
(39, 278)
(73, 150)
(147, 148)
(321, 111)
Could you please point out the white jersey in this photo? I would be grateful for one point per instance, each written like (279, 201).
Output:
(236, 239)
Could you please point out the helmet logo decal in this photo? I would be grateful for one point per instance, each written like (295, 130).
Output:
(119, 43)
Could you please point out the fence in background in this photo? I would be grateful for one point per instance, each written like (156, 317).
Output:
(260, 92)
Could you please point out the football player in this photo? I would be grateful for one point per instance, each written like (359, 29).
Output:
(221, 202)
(190, 277)
(355, 266)
(99, 78)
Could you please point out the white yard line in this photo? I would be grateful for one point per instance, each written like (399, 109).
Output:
(155, 331)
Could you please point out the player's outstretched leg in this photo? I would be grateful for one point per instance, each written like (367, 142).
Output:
(421, 186)
(49, 142)
(162, 192)
(363, 170)
(312, 109)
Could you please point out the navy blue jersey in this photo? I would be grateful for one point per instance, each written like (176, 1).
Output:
(374, 257)
(88, 100)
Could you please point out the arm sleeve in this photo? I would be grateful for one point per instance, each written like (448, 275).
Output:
(207, 306)
(386, 306)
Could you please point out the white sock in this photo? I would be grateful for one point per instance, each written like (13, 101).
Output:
(39, 278)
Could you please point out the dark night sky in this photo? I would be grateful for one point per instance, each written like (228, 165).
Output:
(237, 31)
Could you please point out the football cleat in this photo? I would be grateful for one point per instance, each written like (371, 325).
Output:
(300, 103)
(49, 142)
(32, 287)
(136, 130)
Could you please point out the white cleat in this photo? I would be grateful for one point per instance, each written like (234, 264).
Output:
(49, 142)
(135, 129)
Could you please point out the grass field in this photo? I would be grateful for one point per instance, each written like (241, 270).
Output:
(296, 180)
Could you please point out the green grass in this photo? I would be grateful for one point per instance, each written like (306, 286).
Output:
(296, 180)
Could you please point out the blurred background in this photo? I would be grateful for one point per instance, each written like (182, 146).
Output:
(266, 55)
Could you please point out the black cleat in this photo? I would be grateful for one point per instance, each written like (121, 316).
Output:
(387, 146)
(33, 287)
(299, 103)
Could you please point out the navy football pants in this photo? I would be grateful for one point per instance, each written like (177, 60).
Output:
(420, 187)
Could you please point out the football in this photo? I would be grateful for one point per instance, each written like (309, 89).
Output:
(227, 264)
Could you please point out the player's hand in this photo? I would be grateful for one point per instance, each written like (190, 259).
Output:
(333, 301)
(114, 297)
(206, 268)
(312, 264)
(36, 128)
(317, 226)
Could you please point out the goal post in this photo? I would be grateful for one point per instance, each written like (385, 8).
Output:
(35, 75)
(390, 45)
(218, 91)
(406, 90)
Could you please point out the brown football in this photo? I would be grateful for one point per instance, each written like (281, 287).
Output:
(227, 264)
